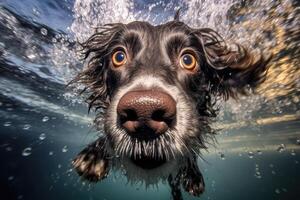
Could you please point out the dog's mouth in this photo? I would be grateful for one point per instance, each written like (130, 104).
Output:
(147, 162)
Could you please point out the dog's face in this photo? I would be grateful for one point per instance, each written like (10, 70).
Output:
(155, 85)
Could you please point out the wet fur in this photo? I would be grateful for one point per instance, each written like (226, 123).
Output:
(225, 70)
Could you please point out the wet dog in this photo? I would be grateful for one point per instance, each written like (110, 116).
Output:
(155, 86)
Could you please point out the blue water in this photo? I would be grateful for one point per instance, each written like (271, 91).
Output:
(43, 127)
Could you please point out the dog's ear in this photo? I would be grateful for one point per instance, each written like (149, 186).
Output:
(94, 76)
(230, 68)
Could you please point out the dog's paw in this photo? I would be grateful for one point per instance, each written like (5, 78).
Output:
(193, 183)
(91, 166)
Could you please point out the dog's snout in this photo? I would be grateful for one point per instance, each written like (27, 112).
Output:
(147, 112)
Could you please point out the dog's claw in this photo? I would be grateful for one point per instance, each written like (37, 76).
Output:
(193, 184)
(91, 165)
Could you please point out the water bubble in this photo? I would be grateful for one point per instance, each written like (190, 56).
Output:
(46, 118)
(258, 175)
(35, 11)
(59, 166)
(26, 126)
(222, 155)
(51, 153)
(298, 141)
(277, 191)
(10, 178)
(57, 36)
(250, 154)
(44, 31)
(42, 136)
(257, 172)
(293, 153)
(259, 152)
(7, 124)
(64, 149)
(281, 148)
(8, 148)
(27, 151)
(31, 56)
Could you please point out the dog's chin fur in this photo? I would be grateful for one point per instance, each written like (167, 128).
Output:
(180, 141)
(137, 174)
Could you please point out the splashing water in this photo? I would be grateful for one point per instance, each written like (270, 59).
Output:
(91, 14)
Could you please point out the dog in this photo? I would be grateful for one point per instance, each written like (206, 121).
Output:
(156, 87)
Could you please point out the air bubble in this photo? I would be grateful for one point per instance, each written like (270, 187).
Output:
(42, 136)
(259, 152)
(281, 148)
(64, 149)
(258, 175)
(257, 172)
(6, 124)
(8, 148)
(222, 156)
(26, 126)
(250, 154)
(35, 11)
(51, 153)
(298, 141)
(31, 56)
(46, 118)
(277, 191)
(293, 153)
(44, 31)
(27, 151)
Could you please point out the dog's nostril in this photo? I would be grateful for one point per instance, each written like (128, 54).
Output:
(129, 115)
(158, 115)
(147, 112)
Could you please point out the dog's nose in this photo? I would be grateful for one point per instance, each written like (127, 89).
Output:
(147, 112)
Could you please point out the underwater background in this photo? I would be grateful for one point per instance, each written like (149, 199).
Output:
(43, 124)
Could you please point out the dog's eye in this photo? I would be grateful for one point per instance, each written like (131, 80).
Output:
(188, 61)
(119, 58)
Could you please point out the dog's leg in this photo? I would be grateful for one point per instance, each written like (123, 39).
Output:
(174, 183)
(92, 162)
(192, 179)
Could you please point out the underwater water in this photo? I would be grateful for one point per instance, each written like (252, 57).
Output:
(43, 124)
